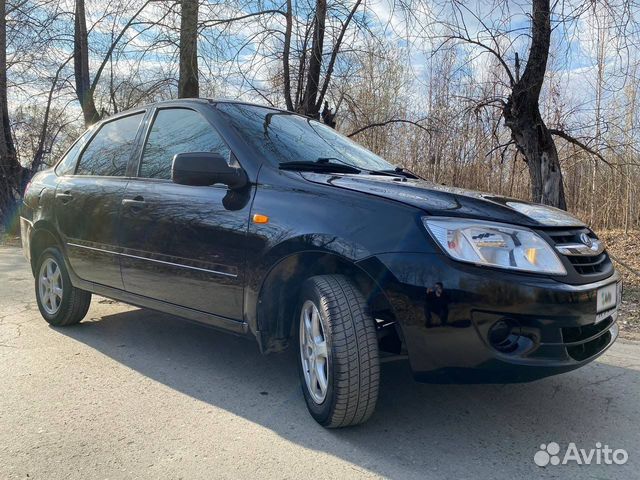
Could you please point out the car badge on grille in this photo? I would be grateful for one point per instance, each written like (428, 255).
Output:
(586, 239)
(587, 246)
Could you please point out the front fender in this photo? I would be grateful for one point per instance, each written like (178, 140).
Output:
(290, 261)
(316, 229)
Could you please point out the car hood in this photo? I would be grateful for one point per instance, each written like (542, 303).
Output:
(440, 200)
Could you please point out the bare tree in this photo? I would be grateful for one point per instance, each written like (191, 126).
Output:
(521, 107)
(518, 99)
(85, 85)
(10, 168)
(306, 41)
(522, 114)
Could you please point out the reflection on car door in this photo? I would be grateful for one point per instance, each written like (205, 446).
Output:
(88, 202)
(184, 244)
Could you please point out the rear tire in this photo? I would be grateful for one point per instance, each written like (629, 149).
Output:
(338, 351)
(60, 303)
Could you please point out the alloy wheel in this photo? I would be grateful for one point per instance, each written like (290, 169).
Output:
(50, 286)
(313, 352)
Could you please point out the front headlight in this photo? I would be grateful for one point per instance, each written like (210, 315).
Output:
(494, 245)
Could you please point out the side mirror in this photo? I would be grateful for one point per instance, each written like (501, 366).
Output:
(205, 168)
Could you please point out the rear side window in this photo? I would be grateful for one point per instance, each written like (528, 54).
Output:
(67, 165)
(178, 130)
(109, 151)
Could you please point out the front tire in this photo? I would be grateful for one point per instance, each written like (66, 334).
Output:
(338, 350)
(60, 303)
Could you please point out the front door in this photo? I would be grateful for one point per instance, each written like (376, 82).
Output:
(184, 244)
(88, 202)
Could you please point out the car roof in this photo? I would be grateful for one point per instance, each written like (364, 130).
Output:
(186, 101)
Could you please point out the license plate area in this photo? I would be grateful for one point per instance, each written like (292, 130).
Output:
(607, 300)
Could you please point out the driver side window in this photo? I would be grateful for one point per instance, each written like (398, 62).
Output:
(177, 130)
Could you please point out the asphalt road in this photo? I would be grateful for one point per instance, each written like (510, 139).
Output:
(132, 393)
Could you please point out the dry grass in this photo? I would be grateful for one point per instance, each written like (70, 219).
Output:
(9, 239)
(625, 250)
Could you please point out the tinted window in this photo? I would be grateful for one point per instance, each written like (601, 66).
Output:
(177, 130)
(109, 151)
(284, 137)
(67, 165)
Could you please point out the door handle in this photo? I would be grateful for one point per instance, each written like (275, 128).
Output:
(65, 197)
(135, 203)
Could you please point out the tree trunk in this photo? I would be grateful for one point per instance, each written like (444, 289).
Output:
(188, 85)
(10, 169)
(286, 52)
(522, 116)
(334, 54)
(309, 106)
(81, 66)
(7, 147)
(536, 144)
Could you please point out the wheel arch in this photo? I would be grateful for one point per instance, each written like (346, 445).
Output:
(42, 237)
(278, 296)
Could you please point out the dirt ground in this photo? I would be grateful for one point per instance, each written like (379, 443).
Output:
(134, 394)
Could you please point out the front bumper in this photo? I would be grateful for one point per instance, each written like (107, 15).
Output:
(446, 311)
(26, 228)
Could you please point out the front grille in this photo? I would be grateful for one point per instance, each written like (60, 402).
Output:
(585, 332)
(589, 349)
(589, 265)
(588, 340)
(581, 269)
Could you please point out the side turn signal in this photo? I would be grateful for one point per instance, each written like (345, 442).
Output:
(258, 218)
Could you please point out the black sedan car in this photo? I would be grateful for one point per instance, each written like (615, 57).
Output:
(265, 223)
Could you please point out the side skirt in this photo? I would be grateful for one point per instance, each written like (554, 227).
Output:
(209, 319)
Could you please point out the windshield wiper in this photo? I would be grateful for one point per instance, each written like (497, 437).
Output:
(336, 165)
(320, 165)
(396, 172)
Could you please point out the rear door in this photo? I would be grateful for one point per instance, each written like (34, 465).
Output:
(184, 244)
(88, 202)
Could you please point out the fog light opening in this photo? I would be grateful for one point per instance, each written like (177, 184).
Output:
(504, 335)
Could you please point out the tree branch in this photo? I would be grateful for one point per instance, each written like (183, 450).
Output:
(488, 49)
(334, 53)
(242, 17)
(385, 123)
(578, 143)
(92, 89)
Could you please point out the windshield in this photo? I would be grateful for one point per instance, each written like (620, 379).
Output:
(286, 137)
